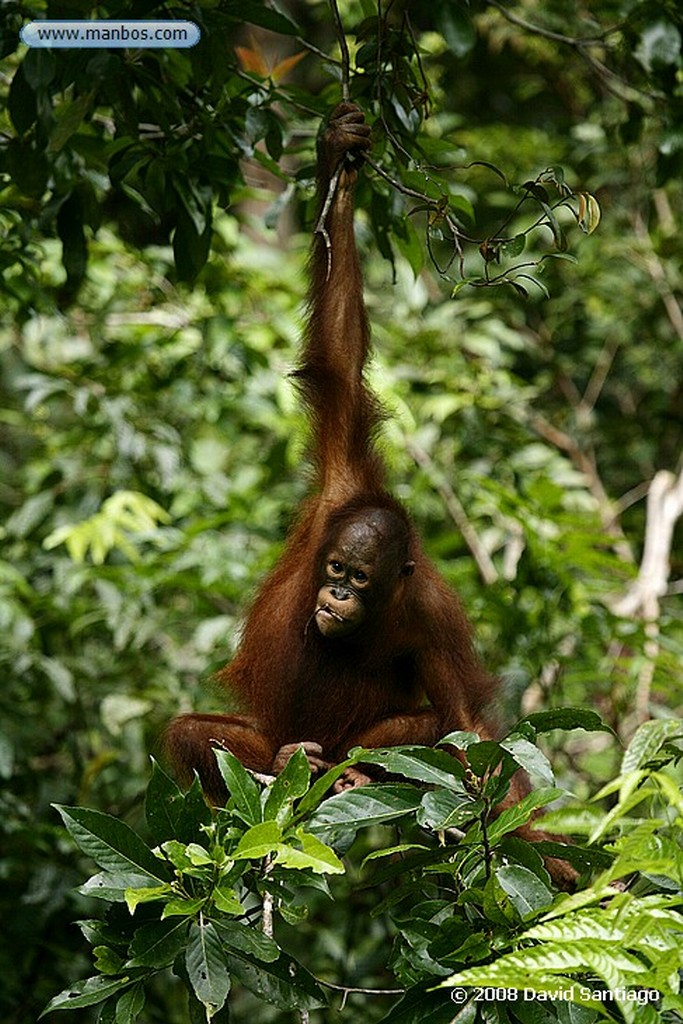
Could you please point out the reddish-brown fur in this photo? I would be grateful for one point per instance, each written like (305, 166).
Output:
(410, 675)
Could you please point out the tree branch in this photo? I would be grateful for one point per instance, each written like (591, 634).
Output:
(487, 569)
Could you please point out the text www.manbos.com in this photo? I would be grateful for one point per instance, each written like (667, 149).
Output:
(90, 34)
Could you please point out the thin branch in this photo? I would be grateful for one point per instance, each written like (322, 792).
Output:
(487, 569)
(320, 227)
(657, 272)
(611, 80)
(345, 59)
(586, 464)
(346, 989)
(556, 37)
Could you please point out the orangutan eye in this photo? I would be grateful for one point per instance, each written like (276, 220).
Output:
(335, 566)
(360, 576)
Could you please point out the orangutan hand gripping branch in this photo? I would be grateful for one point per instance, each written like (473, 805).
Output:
(353, 639)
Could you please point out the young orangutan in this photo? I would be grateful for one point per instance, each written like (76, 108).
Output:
(353, 639)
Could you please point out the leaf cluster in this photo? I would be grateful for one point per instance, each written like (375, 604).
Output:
(471, 903)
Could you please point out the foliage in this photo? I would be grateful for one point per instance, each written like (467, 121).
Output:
(484, 900)
(153, 139)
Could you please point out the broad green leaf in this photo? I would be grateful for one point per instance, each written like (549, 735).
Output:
(114, 886)
(363, 806)
(284, 982)
(320, 789)
(461, 740)
(291, 783)
(226, 901)
(426, 764)
(87, 993)
(648, 740)
(131, 1004)
(530, 758)
(134, 897)
(566, 718)
(521, 813)
(170, 813)
(392, 851)
(258, 841)
(206, 966)
(183, 907)
(527, 892)
(157, 944)
(314, 855)
(483, 757)
(111, 843)
(243, 789)
(422, 1005)
(441, 809)
(243, 938)
(107, 960)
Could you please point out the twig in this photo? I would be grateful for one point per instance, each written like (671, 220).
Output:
(320, 227)
(487, 569)
(345, 60)
(613, 82)
(586, 464)
(268, 901)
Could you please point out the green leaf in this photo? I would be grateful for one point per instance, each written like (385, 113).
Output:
(258, 841)
(243, 789)
(521, 812)
(441, 809)
(314, 855)
(426, 764)
(242, 938)
(111, 843)
(484, 757)
(190, 246)
(589, 212)
(157, 944)
(184, 907)
(206, 966)
(461, 740)
(527, 892)
(457, 29)
(422, 1005)
(283, 983)
(134, 897)
(74, 245)
(172, 814)
(163, 804)
(566, 718)
(530, 758)
(21, 102)
(86, 993)
(648, 740)
(130, 1005)
(320, 788)
(225, 900)
(256, 14)
(363, 806)
(115, 887)
(291, 783)
(40, 67)
(515, 247)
